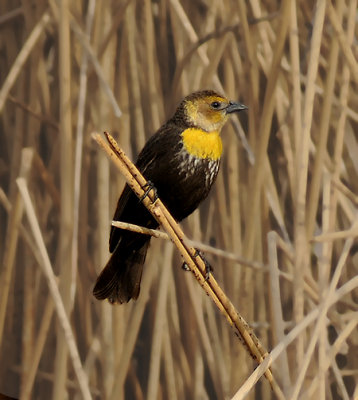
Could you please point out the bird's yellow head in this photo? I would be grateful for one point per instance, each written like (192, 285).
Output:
(209, 110)
(205, 113)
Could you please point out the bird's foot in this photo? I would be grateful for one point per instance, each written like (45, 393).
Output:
(208, 267)
(147, 188)
(185, 266)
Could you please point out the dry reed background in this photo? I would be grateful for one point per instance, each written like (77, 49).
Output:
(286, 200)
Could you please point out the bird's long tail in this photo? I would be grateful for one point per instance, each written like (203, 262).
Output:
(120, 279)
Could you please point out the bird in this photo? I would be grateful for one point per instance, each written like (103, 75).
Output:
(181, 160)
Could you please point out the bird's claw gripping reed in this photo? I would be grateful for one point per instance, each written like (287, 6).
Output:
(208, 266)
(148, 187)
(181, 161)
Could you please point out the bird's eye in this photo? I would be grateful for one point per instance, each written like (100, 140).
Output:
(215, 104)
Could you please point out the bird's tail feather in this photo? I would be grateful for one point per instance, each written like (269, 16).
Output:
(120, 279)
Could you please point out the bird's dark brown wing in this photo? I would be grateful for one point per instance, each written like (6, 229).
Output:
(126, 197)
(152, 162)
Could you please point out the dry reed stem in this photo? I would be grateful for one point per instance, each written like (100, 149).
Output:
(194, 261)
(97, 67)
(339, 380)
(335, 348)
(295, 76)
(205, 342)
(130, 341)
(184, 20)
(54, 290)
(83, 38)
(301, 245)
(265, 123)
(344, 42)
(315, 186)
(158, 327)
(329, 237)
(292, 335)
(151, 61)
(22, 230)
(105, 116)
(67, 276)
(27, 341)
(324, 305)
(343, 98)
(32, 112)
(323, 281)
(235, 210)
(11, 239)
(134, 76)
(79, 147)
(345, 191)
(198, 245)
(214, 349)
(11, 14)
(22, 57)
(253, 68)
(276, 301)
(169, 364)
(27, 385)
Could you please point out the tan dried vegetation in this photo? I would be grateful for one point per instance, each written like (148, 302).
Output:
(282, 216)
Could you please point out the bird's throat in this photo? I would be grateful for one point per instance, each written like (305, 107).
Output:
(202, 144)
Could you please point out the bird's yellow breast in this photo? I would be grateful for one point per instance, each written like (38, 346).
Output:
(202, 144)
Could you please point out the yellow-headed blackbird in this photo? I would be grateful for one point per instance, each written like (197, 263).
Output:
(182, 161)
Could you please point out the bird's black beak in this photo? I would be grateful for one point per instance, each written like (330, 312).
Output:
(235, 107)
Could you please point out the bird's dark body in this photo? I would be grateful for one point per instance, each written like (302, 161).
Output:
(182, 169)
(182, 181)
